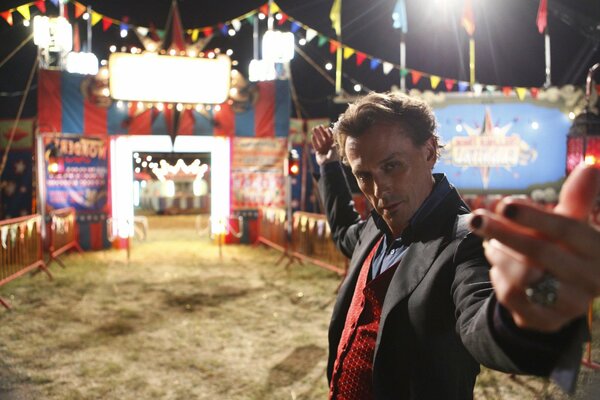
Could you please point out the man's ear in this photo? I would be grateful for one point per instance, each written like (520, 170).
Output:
(431, 149)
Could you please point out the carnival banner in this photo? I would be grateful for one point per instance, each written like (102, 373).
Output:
(507, 147)
(76, 173)
(22, 138)
(257, 172)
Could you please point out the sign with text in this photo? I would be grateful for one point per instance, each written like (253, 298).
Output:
(76, 171)
(257, 172)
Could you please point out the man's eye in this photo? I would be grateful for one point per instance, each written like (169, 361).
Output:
(387, 167)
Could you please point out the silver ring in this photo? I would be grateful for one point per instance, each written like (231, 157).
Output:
(544, 292)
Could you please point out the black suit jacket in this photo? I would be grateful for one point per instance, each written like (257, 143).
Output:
(435, 328)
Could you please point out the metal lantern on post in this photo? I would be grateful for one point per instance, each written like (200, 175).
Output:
(583, 140)
(583, 145)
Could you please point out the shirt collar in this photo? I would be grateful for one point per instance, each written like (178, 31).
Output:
(440, 190)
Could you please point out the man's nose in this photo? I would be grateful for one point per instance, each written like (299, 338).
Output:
(380, 187)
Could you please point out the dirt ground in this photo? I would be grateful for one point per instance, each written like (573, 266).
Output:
(180, 322)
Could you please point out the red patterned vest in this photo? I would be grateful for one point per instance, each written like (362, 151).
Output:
(352, 371)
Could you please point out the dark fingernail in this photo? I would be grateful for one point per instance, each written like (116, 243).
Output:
(477, 222)
(510, 211)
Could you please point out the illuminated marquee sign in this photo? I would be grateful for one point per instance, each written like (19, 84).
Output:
(151, 77)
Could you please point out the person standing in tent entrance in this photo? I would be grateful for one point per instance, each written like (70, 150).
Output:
(422, 307)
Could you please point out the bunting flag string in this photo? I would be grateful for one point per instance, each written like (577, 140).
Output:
(309, 35)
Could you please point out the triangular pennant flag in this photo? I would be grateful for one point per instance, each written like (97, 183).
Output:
(55, 2)
(435, 81)
(142, 31)
(79, 10)
(449, 84)
(95, 18)
(295, 27)
(106, 23)
(348, 52)
(360, 58)
(195, 34)
(468, 20)
(463, 86)
(3, 235)
(207, 31)
(490, 88)
(542, 16)
(264, 9)
(375, 63)
(237, 24)
(161, 34)
(322, 40)
(7, 15)
(416, 77)
(478, 89)
(333, 46)
(404, 72)
(387, 67)
(41, 5)
(284, 17)
(250, 18)
(274, 8)
(534, 92)
(224, 29)
(24, 11)
(521, 91)
(310, 34)
(506, 90)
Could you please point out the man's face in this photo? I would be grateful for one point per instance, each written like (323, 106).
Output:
(392, 173)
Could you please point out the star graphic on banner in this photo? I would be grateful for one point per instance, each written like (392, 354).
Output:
(20, 167)
(488, 129)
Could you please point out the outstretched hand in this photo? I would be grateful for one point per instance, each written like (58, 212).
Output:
(525, 242)
(323, 143)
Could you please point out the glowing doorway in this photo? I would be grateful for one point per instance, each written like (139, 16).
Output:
(122, 186)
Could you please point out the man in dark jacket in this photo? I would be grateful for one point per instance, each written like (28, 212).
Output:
(421, 308)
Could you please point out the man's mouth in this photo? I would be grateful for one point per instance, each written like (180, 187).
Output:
(391, 207)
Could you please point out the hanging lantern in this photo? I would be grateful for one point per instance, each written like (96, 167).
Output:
(583, 140)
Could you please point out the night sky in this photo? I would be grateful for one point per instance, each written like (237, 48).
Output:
(509, 49)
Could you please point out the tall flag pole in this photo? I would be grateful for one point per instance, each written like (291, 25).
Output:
(468, 22)
(400, 22)
(542, 25)
(336, 21)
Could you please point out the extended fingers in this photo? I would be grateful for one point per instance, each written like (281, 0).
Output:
(536, 250)
(572, 233)
(322, 139)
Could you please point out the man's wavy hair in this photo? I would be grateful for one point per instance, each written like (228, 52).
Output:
(414, 116)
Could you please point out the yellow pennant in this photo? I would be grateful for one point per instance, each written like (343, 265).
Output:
(348, 52)
(274, 8)
(195, 34)
(95, 18)
(435, 81)
(521, 91)
(24, 10)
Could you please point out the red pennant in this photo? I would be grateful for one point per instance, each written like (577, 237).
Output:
(41, 5)
(598, 88)
(7, 15)
(333, 46)
(106, 23)
(360, 57)
(416, 77)
(153, 35)
(449, 84)
(284, 18)
(542, 16)
(207, 31)
(79, 9)
(534, 92)
(264, 9)
(506, 90)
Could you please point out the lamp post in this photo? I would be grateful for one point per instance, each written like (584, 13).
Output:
(583, 145)
(583, 140)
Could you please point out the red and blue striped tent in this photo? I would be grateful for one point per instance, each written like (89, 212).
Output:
(66, 105)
